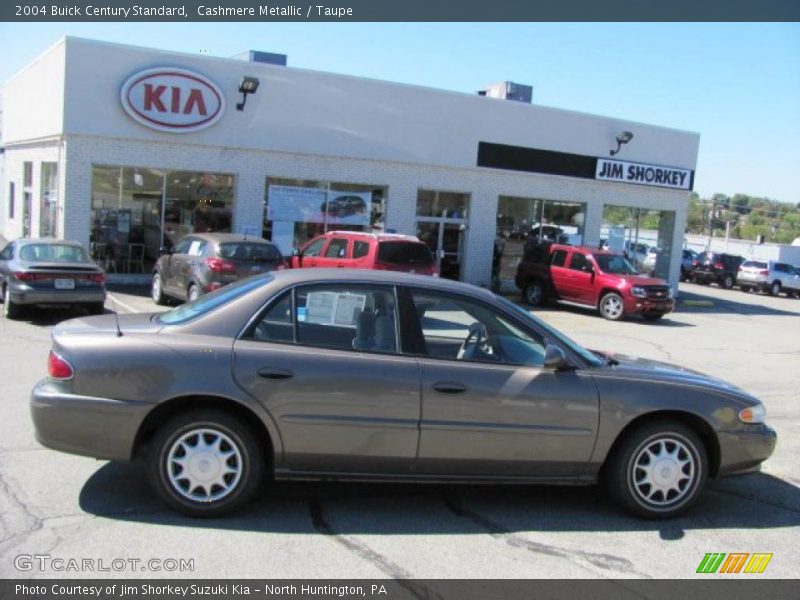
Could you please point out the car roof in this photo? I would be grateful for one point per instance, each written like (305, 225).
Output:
(587, 249)
(48, 241)
(229, 237)
(299, 276)
(380, 236)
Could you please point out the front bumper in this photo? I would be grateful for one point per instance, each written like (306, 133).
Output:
(743, 451)
(641, 306)
(96, 427)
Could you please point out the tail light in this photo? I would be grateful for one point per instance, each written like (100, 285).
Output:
(719, 265)
(695, 262)
(58, 367)
(28, 276)
(97, 278)
(218, 265)
(763, 272)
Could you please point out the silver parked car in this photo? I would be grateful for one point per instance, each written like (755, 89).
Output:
(358, 374)
(47, 272)
(768, 275)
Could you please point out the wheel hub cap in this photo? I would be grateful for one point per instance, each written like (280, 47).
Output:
(204, 465)
(663, 472)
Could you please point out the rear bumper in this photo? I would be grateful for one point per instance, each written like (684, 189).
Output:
(96, 427)
(743, 451)
(28, 295)
(754, 281)
(706, 276)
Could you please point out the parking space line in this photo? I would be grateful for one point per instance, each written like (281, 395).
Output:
(117, 301)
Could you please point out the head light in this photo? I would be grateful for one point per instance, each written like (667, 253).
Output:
(753, 414)
(638, 291)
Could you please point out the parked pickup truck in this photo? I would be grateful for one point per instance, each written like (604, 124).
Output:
(595, 278)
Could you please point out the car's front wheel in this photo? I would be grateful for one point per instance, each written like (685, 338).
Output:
(193, 293)
(658, 471)
(775, 288)
(205, 463)
(612, 307)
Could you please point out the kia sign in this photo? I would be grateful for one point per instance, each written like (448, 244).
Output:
(174, 100)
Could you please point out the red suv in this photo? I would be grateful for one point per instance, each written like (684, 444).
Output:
(357, 250)
(595, 278)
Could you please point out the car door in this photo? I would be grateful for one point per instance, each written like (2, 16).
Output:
(309, 255)
(336, 254)
(489, 407)
(578, 278)
(171, 267)
(323, 361)
(5, 256)
(560, 275)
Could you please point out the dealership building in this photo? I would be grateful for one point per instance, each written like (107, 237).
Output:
(127, 149)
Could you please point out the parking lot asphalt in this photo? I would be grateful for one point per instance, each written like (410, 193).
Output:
(70, 507)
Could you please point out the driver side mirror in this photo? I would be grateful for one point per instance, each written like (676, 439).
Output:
(554, 358)
(164, 250)
(295, 252)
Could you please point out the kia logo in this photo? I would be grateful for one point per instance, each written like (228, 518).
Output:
(174, 100)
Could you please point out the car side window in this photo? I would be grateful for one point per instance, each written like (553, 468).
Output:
(361, 318)
(315, 247)
(579, 262)
(360, 249)
(559, 258)
(457, 329)
(196, 248)
(337, 248)
(7, 253)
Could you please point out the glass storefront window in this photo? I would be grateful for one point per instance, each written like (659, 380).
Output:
(296, 210)
(153, 208)
(522, 221)
(450, 205)
(643, 236)
(48, 204)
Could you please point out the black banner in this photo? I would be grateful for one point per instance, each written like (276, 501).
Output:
(398, 589)
(397, 11)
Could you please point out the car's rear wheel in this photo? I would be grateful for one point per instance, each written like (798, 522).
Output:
(11, 309)
(658, 470)
(534, 293)
(775, 288)
(727, 282)
(611, 307)
(156, 291)
(205, 463)
(193, 293)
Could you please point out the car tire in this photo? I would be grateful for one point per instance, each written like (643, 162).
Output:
(652, 317)
(668, 454)
(157, 290)
(727, 282)
(11, 310)
(193, 293)
(534, 293)
(611, 307)
(775, 288)
(222, 475)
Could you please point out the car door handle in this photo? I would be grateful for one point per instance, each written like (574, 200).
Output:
(268, 373)
(449, 387)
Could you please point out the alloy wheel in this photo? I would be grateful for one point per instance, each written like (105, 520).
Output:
(663, 472)
(204, 465)
(612, 307)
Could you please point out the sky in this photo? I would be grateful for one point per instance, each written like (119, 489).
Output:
(737, 85)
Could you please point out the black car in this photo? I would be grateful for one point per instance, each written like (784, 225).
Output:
(716, 267)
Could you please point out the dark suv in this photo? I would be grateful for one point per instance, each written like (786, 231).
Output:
(204, 262)
(715, 267)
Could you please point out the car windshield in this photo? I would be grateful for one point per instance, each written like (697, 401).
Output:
(404, 253)
(209, 302)
(249, 251)
(53, 253)
(554, 334)
(614, 263)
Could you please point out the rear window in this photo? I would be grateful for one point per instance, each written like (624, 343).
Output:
(755, 264)
(404, 253)
(209, 302)
(248, 251)
(53, 253)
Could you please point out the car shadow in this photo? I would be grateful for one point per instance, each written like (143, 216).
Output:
(590, 312)
(756, 501)
(51, 316)
(730, 305)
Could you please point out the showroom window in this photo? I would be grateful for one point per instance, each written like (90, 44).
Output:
(48, 200)
(27, 197)
(522, 222)
(643, 236)
(140, 210)
(296, 210)
(11, 198)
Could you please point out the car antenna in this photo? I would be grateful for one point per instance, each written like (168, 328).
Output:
(116, 314)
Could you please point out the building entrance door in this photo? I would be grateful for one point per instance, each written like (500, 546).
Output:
(445, 238)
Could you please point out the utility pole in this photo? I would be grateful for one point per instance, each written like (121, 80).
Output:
(711, 223)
